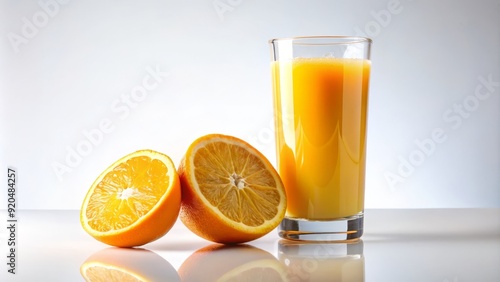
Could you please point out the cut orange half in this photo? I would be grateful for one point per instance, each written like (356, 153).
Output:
(134, 201)
(230, 192)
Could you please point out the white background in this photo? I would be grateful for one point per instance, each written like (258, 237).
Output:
(68, 67)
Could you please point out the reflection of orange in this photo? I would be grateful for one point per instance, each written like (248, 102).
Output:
(230, 192)
(134, 201)
(231, 263)
(127, 265)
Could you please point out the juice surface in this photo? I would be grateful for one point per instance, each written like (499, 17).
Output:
(321, 111)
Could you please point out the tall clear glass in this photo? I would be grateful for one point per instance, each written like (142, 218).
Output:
(320, 89)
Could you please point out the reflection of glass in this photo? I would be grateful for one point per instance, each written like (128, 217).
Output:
(231, 263)
(117, 264)
(342, 262)
(320, 87)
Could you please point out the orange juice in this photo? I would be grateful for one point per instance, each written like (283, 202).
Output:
(321, 111)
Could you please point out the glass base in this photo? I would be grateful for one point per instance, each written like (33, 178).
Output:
(336, 230)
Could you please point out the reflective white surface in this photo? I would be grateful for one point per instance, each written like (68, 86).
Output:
(445, 245)
(70, 99)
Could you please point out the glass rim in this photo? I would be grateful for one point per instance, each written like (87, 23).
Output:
(327, 40)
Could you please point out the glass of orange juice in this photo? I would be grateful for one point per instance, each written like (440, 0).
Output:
(320, 89)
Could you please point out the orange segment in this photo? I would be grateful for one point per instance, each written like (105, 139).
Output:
(231, 192)
(134, 201)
